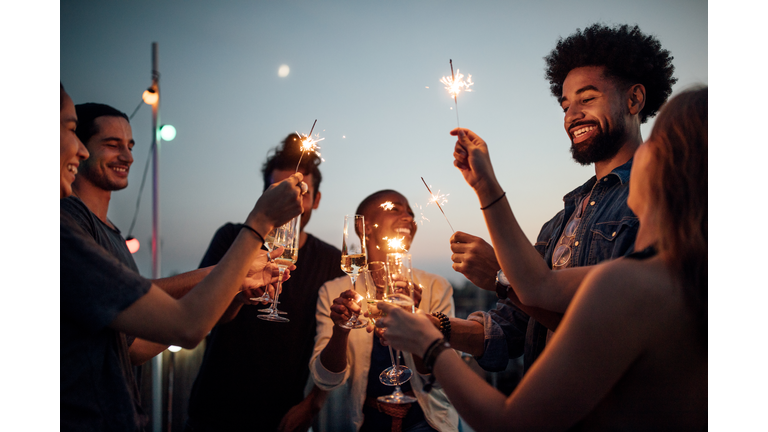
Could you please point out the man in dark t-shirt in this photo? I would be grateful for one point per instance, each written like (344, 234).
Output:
(225, 398)
(94, 388)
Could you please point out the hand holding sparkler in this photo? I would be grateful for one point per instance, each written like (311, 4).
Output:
(471, 157)
(473, 160)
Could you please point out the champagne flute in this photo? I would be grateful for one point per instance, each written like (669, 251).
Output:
(375, 285)
(353, 260)
(269, 242)
(286, 236)
(399, 292)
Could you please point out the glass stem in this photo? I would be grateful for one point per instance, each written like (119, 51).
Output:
(277, 292)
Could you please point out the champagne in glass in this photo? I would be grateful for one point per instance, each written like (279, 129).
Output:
(399, 292)
(286, 236)
(269, 242)
(353, 260)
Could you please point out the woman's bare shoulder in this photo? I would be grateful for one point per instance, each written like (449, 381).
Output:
(635, 287)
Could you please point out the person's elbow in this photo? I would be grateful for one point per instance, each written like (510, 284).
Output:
(190, 338)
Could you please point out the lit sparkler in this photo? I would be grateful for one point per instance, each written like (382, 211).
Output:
(437, 199)
(308, 144)
(455, 84)
(395, 244)
(387, 205)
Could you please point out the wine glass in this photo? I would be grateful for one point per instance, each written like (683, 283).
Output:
(353, 260)
(269, 242)
(399, 292)
(286, 236)
(375, 284)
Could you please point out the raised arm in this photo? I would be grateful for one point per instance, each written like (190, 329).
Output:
(602, 334)
(533, 281)
(158, 317)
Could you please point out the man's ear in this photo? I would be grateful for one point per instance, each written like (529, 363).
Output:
(317, 200)
(636, 98)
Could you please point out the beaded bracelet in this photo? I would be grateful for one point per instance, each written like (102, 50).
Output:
(445, 324)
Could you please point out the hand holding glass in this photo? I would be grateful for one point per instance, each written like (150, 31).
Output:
(286, 236)
(399, 292)
(354, 260)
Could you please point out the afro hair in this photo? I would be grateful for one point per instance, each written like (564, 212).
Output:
(627, 55)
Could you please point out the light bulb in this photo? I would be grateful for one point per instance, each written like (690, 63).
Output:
(150, 96)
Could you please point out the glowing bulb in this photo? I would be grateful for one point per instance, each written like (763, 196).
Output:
(283, 71)
(133, 245)
(150, 96)
(174, 348)
(167, 132)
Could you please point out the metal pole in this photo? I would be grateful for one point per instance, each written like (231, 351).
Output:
(157, 361)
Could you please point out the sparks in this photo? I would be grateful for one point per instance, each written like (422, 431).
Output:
(395, 244)
(309, 144)
(457, 84)
(387, 205)
(437, 199)
(454, 85)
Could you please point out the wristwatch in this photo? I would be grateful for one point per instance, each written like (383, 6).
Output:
(502, 285)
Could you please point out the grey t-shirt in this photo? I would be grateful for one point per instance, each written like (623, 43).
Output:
(95, 288)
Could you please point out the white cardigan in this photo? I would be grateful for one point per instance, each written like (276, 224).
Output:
(437, 295)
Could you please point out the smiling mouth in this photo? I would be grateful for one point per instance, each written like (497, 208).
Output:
(120, 169)
(403, 231)
(581, 130)
(72, 168)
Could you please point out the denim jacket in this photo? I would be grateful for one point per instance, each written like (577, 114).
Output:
(607, 230)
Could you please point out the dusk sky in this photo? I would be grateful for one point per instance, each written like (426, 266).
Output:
(369, 73)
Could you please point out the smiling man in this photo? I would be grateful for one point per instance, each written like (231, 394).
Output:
(608, 82)
(106, 133)
(357, 357)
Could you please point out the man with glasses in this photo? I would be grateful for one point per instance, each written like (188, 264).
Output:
(608, 81)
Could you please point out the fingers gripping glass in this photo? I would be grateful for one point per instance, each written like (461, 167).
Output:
(354, 260)
(561, 257)
(286, 236)
(399, 292)
(268, 271)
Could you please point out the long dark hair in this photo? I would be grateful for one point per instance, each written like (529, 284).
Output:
(678, 187)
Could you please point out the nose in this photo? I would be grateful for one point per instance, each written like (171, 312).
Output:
(574, 113)
(126, 155)
(82, 152)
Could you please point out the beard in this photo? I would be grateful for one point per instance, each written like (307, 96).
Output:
(100, 180)
(603, 146)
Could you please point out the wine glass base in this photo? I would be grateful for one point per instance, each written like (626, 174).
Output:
(273, 318)
(387, 377)
(396, 399)
(268, 310)
(360, 323)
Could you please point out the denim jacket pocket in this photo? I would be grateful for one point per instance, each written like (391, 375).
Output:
(615, 229)
(612, 239)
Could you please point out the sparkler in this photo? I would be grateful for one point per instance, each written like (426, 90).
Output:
(308, 144)
(395, 244)
(455, 84)
(387, 205)
(437, 199)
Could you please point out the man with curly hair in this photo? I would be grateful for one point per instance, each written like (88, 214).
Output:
(608, 81)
